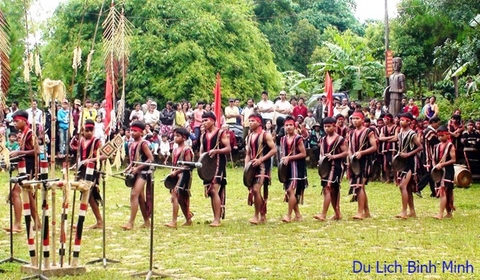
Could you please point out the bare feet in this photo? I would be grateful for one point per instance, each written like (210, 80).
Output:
(298, 218)
(145, 225)
(358, 217)
(263, 219)
(366, 215)
(412, 215)
(14, 229)
(37, 227)
(449, 216)
(215, 224)
(286, 219)
(254, 221)
(171, 225)
(319, 217)
(401, 216)
(127, 226)
(96, 226)
(335, 218)
(187, 223)
(438, 217)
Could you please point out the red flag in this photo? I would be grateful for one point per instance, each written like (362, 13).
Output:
(218, 101)
(329, 92)
(108, 103)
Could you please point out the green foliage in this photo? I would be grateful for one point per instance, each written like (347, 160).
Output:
(347, 57)
(292, 27)
(176, 51)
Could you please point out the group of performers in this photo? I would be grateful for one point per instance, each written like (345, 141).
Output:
(352, 152)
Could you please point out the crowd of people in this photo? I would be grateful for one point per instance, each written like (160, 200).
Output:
(360, 141)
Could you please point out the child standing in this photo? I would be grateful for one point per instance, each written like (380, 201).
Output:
(181, 191)
(12, 143)
(444, 159)
(99, 131)
(164, 148)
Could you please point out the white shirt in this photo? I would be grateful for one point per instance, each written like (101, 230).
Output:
(152, 117)
(38, 116)
(266, 105)
(283, 105)
(164, 147)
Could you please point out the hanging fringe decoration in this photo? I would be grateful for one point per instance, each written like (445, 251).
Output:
(89, 60)
(77, 58)
(38, 68)
(4, 59)
(125, 33)
(4, 152)
(26, 70)
(53, 90)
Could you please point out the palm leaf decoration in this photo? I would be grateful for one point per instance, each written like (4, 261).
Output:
(4, 58)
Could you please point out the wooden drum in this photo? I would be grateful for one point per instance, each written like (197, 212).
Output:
(463, 176)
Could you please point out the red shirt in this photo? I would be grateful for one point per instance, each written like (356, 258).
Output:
(412, 110)
(297, 110)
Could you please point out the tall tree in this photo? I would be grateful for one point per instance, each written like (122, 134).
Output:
(176, 50)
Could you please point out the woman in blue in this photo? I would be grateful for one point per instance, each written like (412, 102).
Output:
(293, 156)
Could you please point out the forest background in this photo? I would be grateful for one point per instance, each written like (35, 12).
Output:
(177, 47)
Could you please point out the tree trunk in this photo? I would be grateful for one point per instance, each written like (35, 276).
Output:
(455, 86)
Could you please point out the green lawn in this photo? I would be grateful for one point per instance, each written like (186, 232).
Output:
(300, 250)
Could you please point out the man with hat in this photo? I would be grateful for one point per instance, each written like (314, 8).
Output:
(314, 139)
(407, 179)
(388, 144)
(63, 119)
(282, 107)
(362, 145)
(444, 158)
(28, 150)
(260, 148)
(215, 142)
(139, 151)
(333, 148)
(231, 112)
(152, 115)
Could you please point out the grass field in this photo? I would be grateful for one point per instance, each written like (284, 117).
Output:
(299, 250)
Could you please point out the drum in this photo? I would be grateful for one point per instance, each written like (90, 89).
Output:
(463, 176)
(324, 167)
(436, 174)
(399, 163)
(355, 165)
(282, 173)
(130, 180)
(209, 166)
(89, 172)
(170, 182)
(249, 173)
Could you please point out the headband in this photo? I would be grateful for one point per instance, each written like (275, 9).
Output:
(405, 119)
(256, 118)
(20, 118)
(443, 132)
(289, 121)
(89, 125)
(358, 115)
(210, 118)
(388, 117)
(136, 128)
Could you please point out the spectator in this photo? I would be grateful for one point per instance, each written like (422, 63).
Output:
(12, 143)
(167, 117)
(431, 108)
(266, 108)
(99, 130)
(231, 112)
(411, 108)
(88, 113)
(63, 120)
(300, 108)
(76, 114)
(320, 109)
(246, 112)
(137, 112)
(470, 86)
(240, 115)
(180, 116)
(164, 148)
(283, 108)
(34, 114)
(152, 116)
(309, 120)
